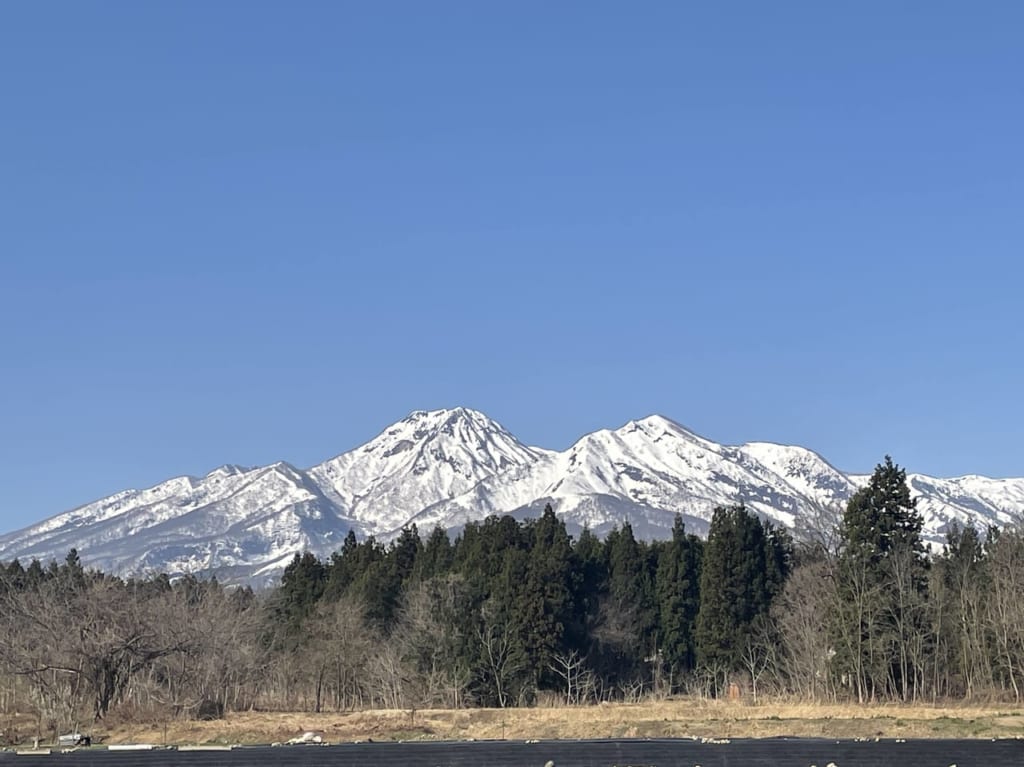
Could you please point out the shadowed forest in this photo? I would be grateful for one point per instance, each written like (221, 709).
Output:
(516, 613)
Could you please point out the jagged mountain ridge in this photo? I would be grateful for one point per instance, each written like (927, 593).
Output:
(449, 467)
(452, 450)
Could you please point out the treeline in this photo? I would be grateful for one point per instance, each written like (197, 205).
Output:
(514, 613)
(511, 611)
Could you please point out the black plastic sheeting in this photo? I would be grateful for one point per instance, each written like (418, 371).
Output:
(775, 752)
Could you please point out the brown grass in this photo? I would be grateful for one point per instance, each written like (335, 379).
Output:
(678, 718)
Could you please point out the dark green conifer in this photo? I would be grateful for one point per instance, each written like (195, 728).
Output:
(678, 592)
(735, 586)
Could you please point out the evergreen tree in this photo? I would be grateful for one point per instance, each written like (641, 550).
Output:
(374, 584)
(404, 553)
(437, 556)
(302, 585)
(546, 601)
(501, 659)
(34, 574)
(481, 551)
(591, 581)
(74, 573)
(882, 582)
(678, 592)
(382, 584)
(882, 519)
(779, 556)
(591, 590)
(15, 576)
(626, 628)
(735, 587)
(341, 569)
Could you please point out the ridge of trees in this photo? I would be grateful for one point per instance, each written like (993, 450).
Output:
(513, 613)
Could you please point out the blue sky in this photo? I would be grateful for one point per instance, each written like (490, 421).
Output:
(244, 232)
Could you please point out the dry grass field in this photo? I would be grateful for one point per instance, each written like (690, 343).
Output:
(681, 718)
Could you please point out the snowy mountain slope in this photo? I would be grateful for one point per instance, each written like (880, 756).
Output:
(966, 500)
(422, 459)
(804, 471)
(229, 518)
(647, 471)
(450, 467)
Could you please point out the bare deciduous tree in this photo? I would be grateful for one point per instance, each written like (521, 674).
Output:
(341, 649)
(431, 641)
(802, 615)
(499, 652)
(571, 668)
(1006, 608)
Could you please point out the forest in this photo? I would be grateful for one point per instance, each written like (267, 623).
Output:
(519, 613)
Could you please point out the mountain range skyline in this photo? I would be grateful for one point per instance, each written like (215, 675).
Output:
(453, 466)
(17, 516)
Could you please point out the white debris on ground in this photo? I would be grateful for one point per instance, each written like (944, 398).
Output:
(306, 737)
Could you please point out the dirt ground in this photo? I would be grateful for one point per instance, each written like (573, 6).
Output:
(682, 718)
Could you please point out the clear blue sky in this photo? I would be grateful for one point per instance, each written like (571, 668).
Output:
(244, 232)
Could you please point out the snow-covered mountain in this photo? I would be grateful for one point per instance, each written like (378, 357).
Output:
(450, 467)
(423, 459)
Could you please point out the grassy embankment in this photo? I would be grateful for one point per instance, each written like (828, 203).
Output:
(681, 718)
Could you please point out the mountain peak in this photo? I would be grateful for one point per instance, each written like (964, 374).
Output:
(655, 421)
(428, 457)
(445, 412)
(227, 470)
(657, 426)
(450, 415)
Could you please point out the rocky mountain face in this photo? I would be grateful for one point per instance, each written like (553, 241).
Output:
(450, 467)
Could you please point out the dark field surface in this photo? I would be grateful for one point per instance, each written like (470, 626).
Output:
(778, 752)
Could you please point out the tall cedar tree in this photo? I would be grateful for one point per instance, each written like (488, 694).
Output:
(882, 578)
(630, 602)
(546, 603)
(745, 562)
(436, 557)
(504, 627)
(591, 580)
(882, 518)
(302, 585)
(677, 585)
(341, 568)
